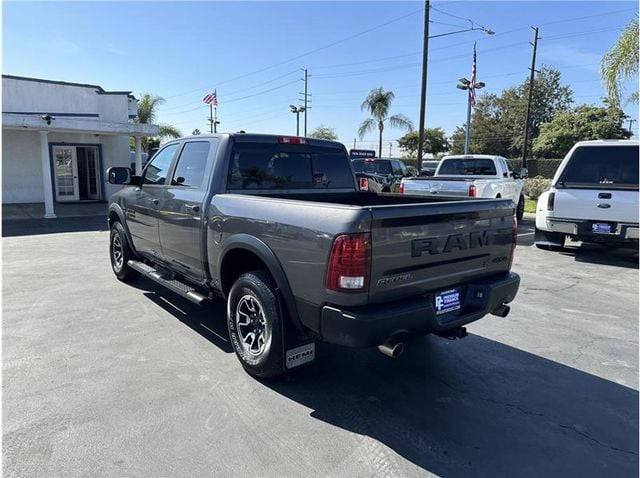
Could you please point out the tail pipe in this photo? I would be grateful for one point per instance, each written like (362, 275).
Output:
(501, 311)
(391, 348)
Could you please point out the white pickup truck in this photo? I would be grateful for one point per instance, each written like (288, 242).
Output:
(472, 175)
(593, 197)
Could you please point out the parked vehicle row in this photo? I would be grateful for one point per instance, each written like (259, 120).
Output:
(474, 175)
(279, 227)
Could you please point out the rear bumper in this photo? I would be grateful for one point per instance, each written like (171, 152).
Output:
(374, 324)
(582, 230)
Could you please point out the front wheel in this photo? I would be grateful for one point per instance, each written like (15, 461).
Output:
(120, 253)
(256, 325)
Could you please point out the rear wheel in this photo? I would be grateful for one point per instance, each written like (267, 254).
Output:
(520, 209)
(120, 253)
(256, 325)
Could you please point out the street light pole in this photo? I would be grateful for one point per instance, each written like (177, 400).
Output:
(423, 84)
(467, 135)
(464, 84)
(425, 58)
(297, 110)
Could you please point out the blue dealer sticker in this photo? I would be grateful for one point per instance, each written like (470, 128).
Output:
(447, 301)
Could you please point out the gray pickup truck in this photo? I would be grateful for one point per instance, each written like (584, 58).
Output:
(281, 228)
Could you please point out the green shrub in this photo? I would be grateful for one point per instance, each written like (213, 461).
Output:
(537, 167)
(534, 187)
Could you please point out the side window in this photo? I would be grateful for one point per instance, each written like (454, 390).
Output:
(156, 171)
(397, 168)
(191, 164)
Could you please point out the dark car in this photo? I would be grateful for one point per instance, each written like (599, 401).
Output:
(387, 172)
(428, 168)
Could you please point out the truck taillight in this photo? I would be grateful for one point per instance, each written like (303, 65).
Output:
(401, 187)
(550, 201)
(473, 191)
(349, 263)
(514, 239)
(291, 140)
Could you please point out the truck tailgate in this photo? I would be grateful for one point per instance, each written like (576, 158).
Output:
(435, 186)
(431, 247)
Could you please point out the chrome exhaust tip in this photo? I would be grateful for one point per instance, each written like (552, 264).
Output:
(501, 311)
(391, 348)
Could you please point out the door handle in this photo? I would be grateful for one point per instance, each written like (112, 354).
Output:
(192, 207)
(154, 201)
(604, 196)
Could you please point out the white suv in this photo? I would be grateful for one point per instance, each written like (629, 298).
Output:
(593, 197)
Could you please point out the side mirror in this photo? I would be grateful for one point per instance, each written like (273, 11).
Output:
(516, 175)
(120, 175)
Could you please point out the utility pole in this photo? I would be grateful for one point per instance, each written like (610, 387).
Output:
(527, 119)
(305, 98)
(354, 143)
(423, 86)
(631, 121)
(390, 144)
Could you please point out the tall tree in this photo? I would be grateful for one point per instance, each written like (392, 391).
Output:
(435, 141)
(582, 123)
(196, 132)
(378, 104)
(497, 125)
(148, 113)
(621, 63)
(324, 132)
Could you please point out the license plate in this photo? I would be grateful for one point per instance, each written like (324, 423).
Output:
(447, 301)
(601, 228)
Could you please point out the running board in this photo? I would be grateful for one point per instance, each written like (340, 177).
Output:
(173, 285)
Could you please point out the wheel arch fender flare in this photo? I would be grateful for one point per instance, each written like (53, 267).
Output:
(116, 209)
(267, 256)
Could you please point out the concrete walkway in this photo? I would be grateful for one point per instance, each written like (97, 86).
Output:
(36, 210)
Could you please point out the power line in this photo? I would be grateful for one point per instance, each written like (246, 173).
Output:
(302, 55)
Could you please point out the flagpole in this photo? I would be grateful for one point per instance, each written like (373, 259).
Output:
(215, 120)
(211, 117)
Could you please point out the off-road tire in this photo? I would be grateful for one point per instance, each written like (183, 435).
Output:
(120, 253)
(256, 290)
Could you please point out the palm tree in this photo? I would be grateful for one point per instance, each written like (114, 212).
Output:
(621, 63)
(378, 103)
(148, 112)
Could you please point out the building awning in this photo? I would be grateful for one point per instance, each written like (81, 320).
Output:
(76, 125)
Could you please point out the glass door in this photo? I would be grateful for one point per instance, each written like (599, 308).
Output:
(93, 174)
(65, 168)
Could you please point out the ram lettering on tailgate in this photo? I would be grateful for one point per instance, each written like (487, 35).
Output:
(437, 245)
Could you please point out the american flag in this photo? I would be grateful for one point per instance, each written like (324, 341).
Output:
(472, 84)
(211, 98)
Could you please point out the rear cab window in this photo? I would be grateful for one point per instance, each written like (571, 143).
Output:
(259, 166)
(372, 166)
(602, 167)
(467, 167)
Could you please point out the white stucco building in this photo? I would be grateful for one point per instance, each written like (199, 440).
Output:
(58, 139)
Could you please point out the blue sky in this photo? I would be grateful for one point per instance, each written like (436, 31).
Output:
(253, 52)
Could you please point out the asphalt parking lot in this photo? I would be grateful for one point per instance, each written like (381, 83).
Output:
(106, 379)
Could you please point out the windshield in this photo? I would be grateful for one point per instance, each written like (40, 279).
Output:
(278, 166)
(468, 167)
(372, 167)
(602, 166)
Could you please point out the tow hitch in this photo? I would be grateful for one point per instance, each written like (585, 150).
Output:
(452, 334)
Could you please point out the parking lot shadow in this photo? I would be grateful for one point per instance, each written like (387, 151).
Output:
(597, 254)
(207, 320)
(31, 227)
(473, 407)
